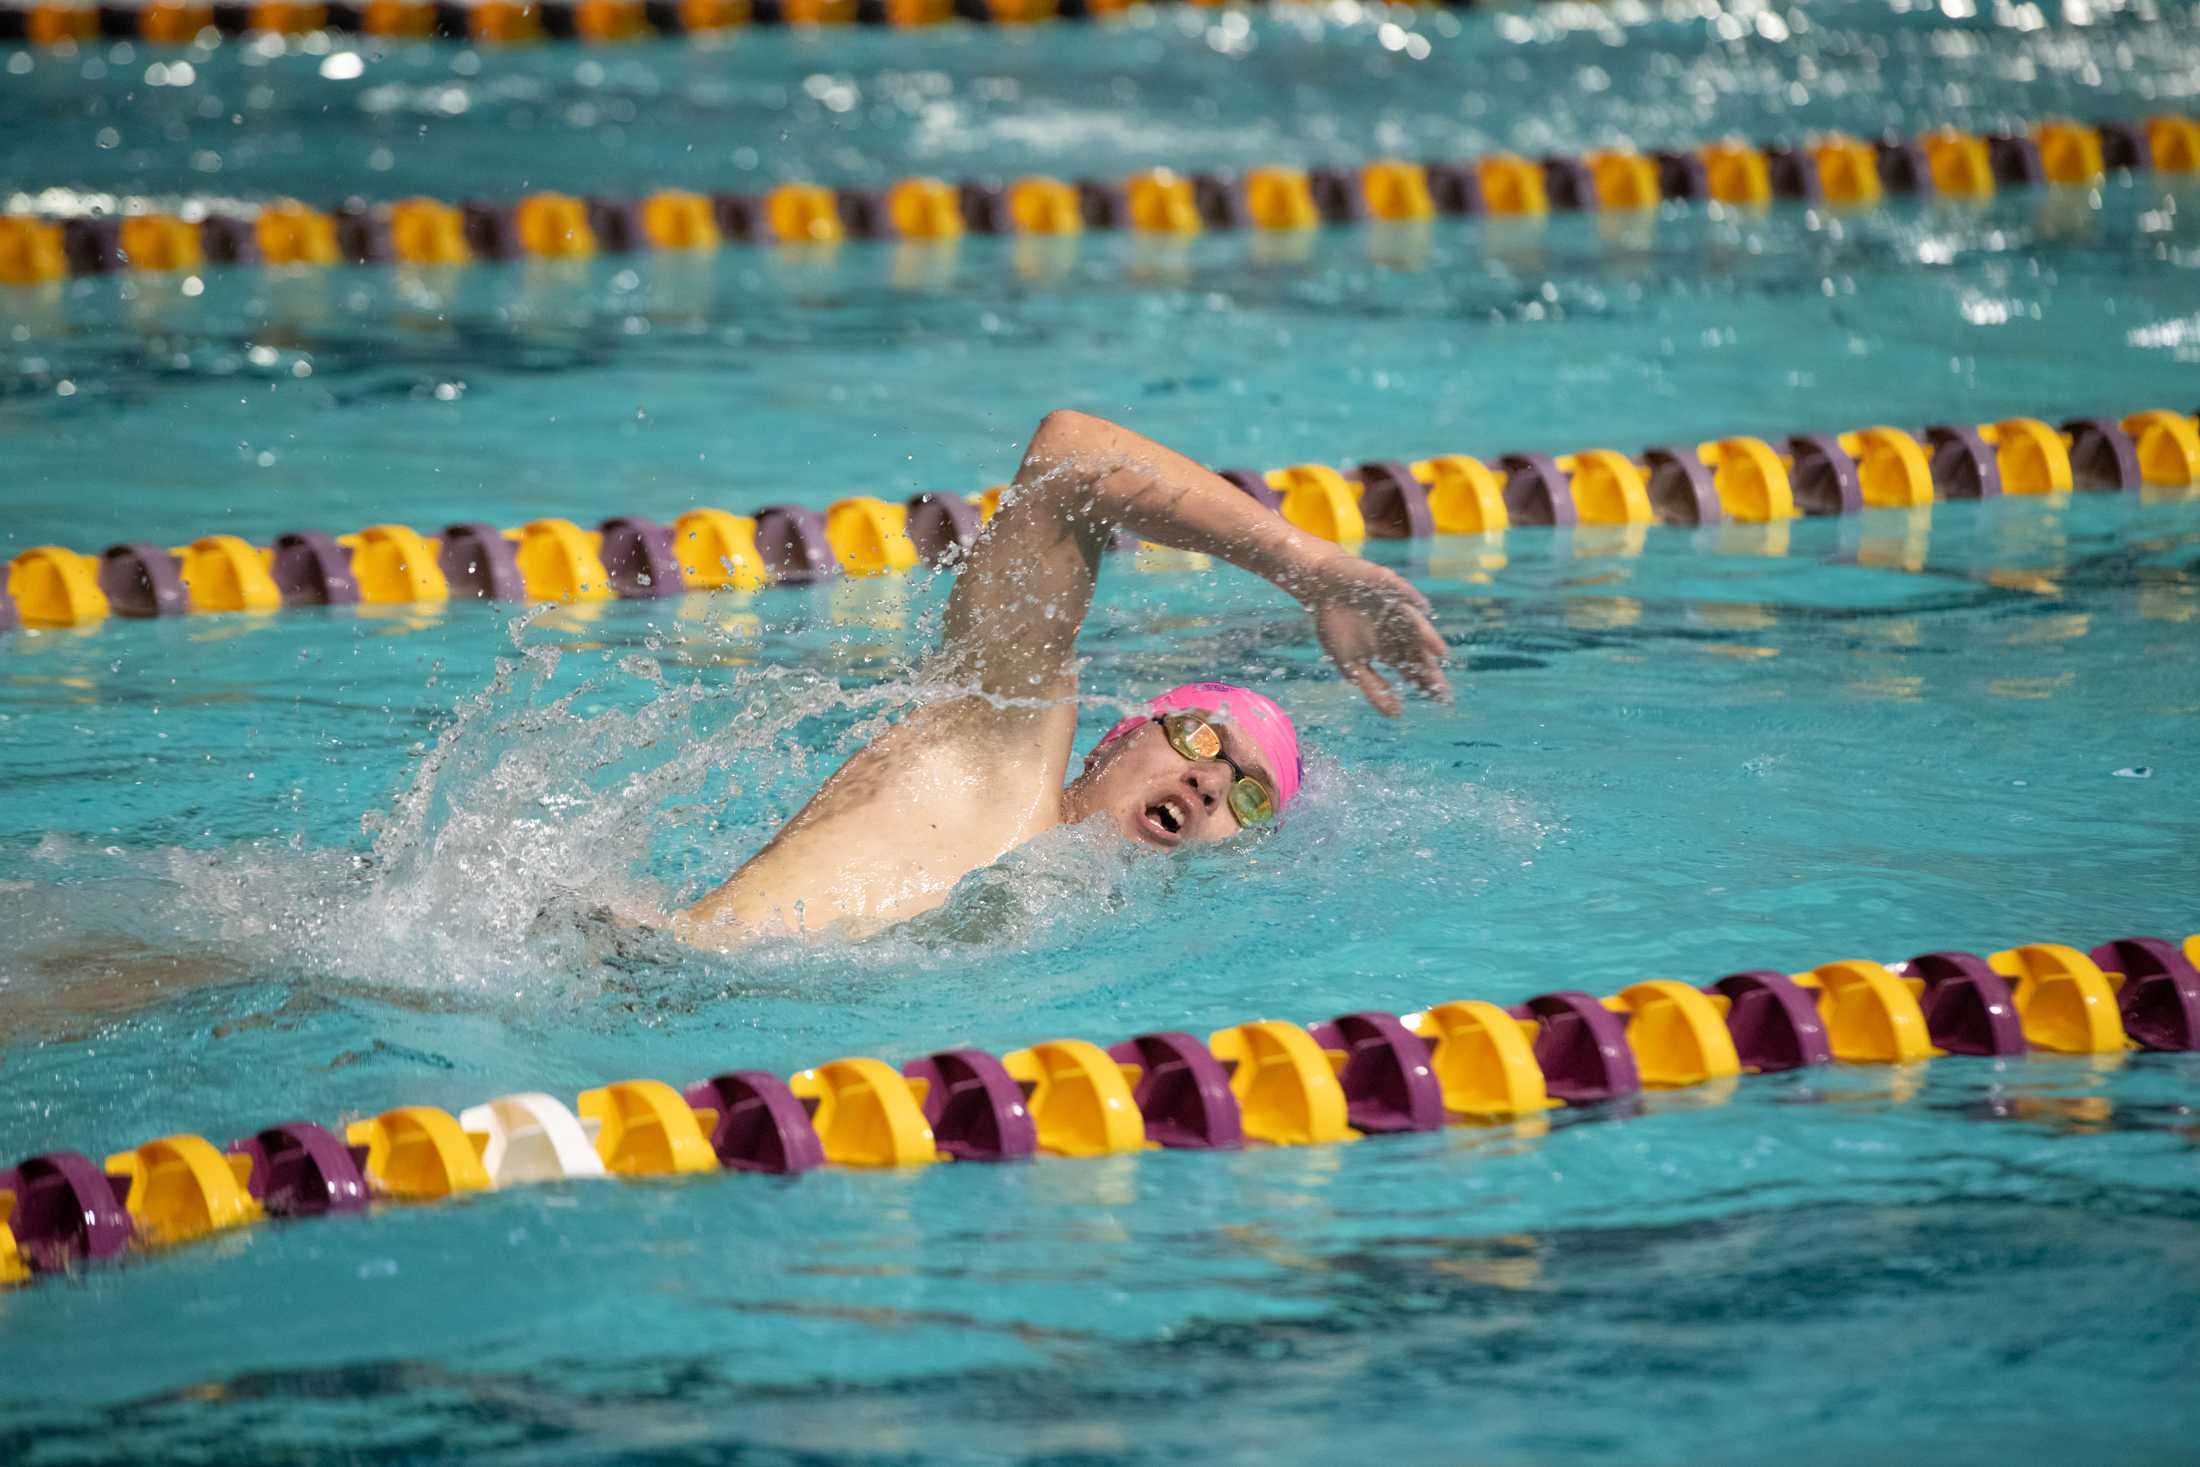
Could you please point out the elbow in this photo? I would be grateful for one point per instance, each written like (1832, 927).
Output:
(1064, 434)
(1075, 463)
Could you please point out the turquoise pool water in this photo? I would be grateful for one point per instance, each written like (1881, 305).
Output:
(326, 862)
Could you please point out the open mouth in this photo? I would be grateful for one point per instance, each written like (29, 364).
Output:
(1163, 821)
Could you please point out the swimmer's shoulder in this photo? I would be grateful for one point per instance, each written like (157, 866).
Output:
(891, 832)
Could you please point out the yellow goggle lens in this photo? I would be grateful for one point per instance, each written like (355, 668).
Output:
(1194, 738)
(1251, 801)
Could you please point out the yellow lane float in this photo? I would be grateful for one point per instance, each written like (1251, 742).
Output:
(869, 536)
(1080, 1098)
(1871, 1016)
(1040, 205)
(1737, 173)
(866, 1114)
(1624, 181)
(2065, 1001)
(1285, 1083)
(1512, 185)
(418, 1153)
(428, 232)
(2175, 143)
(1608, 488)
(560, 561)
(54, 587)
(1465, 495)
(1678, 1034)
(223, 573)
(924, 208)
(1162, 202)
(395, 565)
(160, 244)
(1484, 1059)
(1892, 468)
(1848, 170)
(13, 1270)
(554, 225)
(675, 219)
(291, 233)
(803, 214)
(1750, 479)
(2168, 445)
(2032, 456)
(182, 1188)
(1320, 501)
(1961, 166)
(645, 1129)
(1280, 198)
(2070, 152)
(1396, 190)
(30, 251)
(717, 550)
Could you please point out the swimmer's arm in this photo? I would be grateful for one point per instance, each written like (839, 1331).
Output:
(1013, 618)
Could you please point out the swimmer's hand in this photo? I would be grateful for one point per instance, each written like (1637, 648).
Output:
(1365, 614)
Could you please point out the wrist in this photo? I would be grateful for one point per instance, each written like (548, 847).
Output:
(1303, 563)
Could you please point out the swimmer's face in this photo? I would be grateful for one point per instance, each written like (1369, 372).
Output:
(1156, 796)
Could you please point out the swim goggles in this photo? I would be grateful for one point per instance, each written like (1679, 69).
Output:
(1250, 799)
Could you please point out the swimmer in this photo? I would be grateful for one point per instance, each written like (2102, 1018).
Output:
(961, 781)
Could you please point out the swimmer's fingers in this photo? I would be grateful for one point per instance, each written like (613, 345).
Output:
(1412, 645)
(1398, 636)
(1428, 676)
(1353, 640)
(1373, 687)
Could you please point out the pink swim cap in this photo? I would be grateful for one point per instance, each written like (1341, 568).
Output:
(1250, 713)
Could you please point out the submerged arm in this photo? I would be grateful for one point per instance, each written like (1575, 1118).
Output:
(1013, 617)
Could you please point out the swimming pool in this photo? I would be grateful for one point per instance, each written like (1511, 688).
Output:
(325, 862)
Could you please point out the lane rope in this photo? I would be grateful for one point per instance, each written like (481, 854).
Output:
(62, 23)
(1830, 170)
(1732, 480)
(1260, 1083)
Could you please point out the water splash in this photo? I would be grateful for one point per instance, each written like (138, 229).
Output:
(576, 795)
